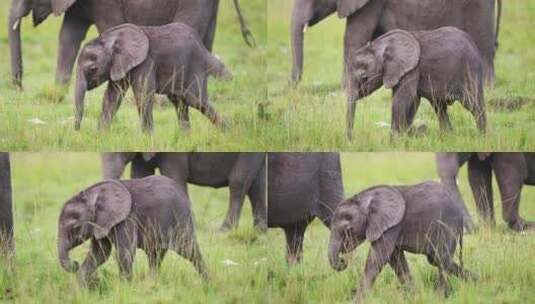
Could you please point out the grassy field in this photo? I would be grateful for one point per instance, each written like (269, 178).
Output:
(312, 116)
(236, 100)
(43, 182)
(503, 259)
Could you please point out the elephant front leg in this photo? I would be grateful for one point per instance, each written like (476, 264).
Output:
(360, 28)
(72, 33)
(295, 235)
(144, 87)
(404, 106)
(99, 253)
(377, 259)
(112, 100)
(125, 239)
(510, 170)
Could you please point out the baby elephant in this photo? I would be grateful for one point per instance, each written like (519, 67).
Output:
(420, 218)
(169, 60)
(442, 65)
(150, 213)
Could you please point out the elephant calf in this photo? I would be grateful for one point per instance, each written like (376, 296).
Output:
(150, 213)
(442, 65)
(420, 218)
(169, 60)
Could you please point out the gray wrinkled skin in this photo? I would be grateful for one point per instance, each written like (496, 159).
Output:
(512, 171)
(150, 213)
(104, 14)
(6, 206)
(442, 66)
(368, 19)
(419, 219)
(169, 60)
(243, 173)
(301, 187)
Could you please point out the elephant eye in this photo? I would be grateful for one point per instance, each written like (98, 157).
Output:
(364, 77)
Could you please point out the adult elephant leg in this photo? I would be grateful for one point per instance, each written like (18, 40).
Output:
(480, 24)
(295, 235)
(511, 172)
(360, 27)
(72, 33)
(113, 163)
(448, 164)
(241, 178)
(141, 168)
(257, 195)
(6, 209)
(480, 177)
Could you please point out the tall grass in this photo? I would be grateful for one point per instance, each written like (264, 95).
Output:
(41, 117)
(247, 267)
(312, 116)
(43, 182)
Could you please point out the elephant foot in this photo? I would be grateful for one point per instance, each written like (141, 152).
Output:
(261, 227)
(521, 225)
(226, 227)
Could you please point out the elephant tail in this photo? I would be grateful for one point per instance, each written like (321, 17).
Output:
(498, 21)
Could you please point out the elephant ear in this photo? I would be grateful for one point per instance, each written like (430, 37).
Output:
(400, 53)
(129, 46)
(348, 7)
(110, 203)
(385, 210)
(60, 6)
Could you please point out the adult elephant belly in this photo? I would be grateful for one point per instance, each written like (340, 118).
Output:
(292, 198)
(211, 169)
(415, 15)
(143, 12)
(530, 163)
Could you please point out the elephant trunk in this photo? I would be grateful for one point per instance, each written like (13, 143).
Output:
(18, 10)
(81, 88)
(335, 244)
(64, 246)
(305, 13)
(299, 21)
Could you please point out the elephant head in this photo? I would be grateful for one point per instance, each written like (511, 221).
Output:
(365, 216)
(114, 163)
(40, 10)
(382, 62)
(92, 213)
(309, 12)
(109, 57)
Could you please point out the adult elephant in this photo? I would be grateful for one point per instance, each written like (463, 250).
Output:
(104, 14)
(368, 19)
(301, 187)
(6, 209)
(512, 171)
(243, 173)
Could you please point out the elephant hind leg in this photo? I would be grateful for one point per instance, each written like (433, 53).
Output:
(189, 249)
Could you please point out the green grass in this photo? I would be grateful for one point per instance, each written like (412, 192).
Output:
(312, 116)
(263, 111)
(236, 100)
(43, 182)
(503, 259)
